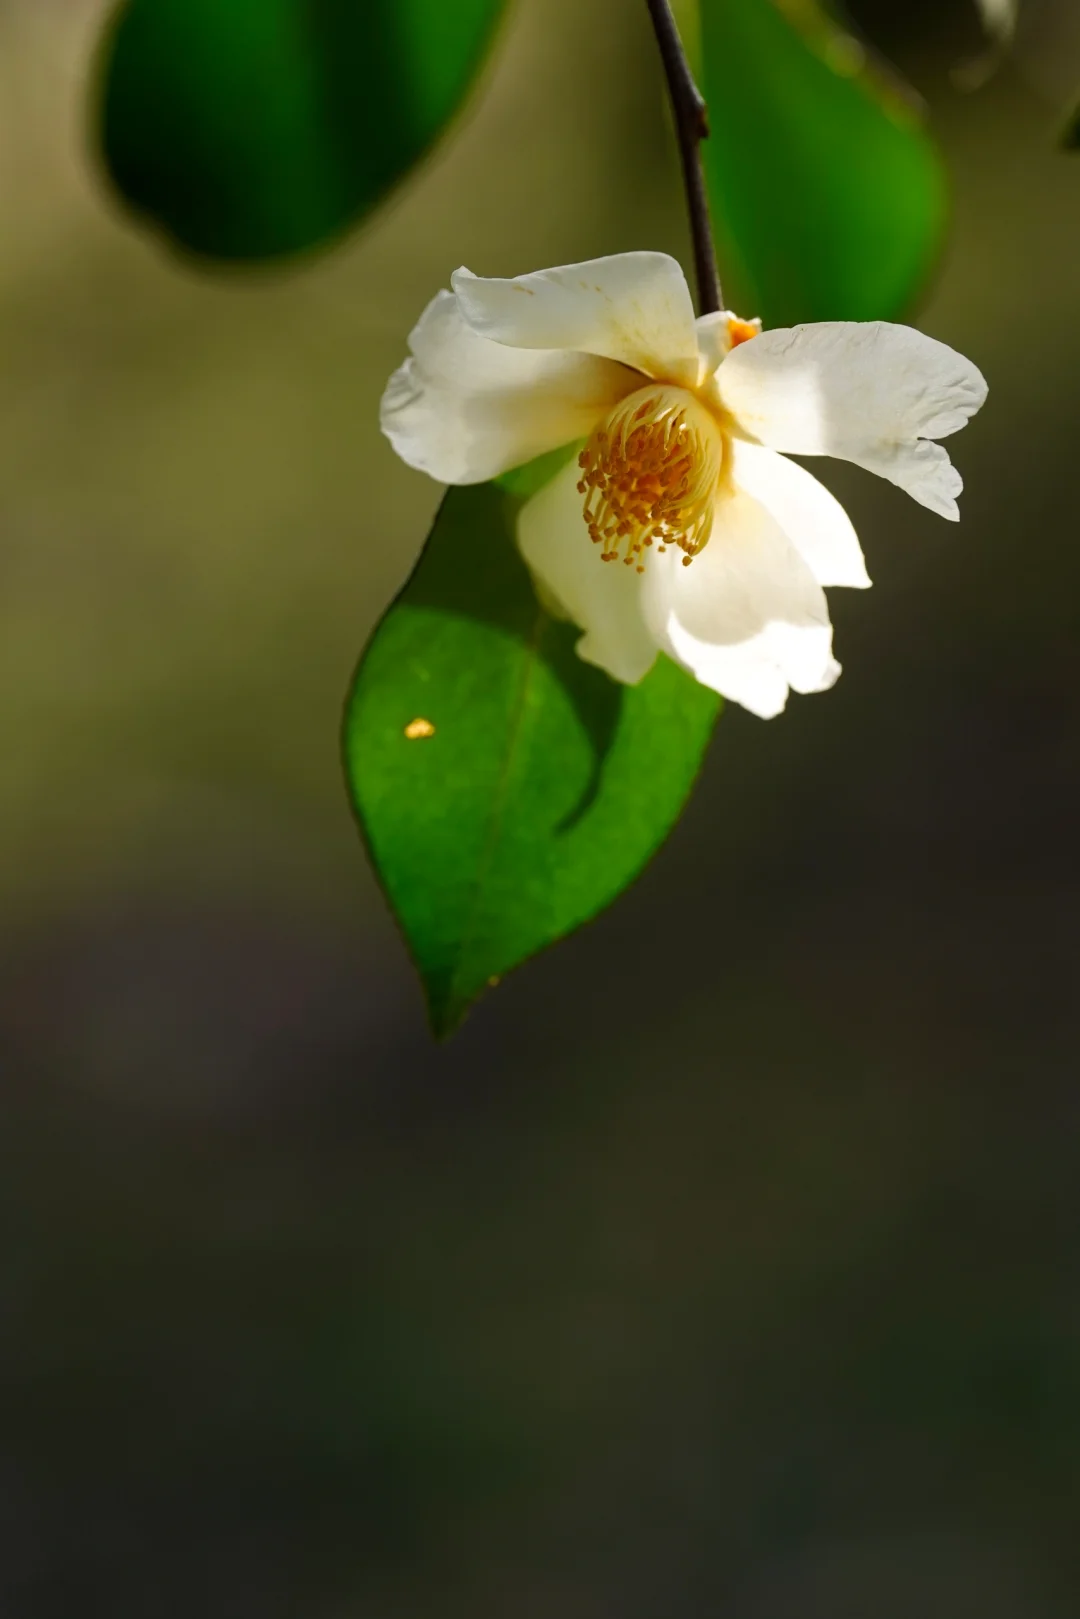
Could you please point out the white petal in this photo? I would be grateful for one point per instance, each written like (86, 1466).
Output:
(603, 598)
(865, 391)
(714, 342)
(630, 307)
(747, 616)
(814, 521)
(464, 409)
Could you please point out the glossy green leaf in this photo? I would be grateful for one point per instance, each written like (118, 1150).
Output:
(247, 129)
(828, 197)
(506, 790)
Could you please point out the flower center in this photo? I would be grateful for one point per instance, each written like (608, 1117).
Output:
(649, 475)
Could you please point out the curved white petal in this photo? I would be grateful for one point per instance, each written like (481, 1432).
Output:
(714, 341)
(603, 598)
(464, 409)
(630, 307)
(814, 521)
(866, 391)
(747, 617)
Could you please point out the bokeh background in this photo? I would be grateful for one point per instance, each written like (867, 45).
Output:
(726, 1261)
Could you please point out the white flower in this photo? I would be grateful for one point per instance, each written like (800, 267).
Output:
(679, 528)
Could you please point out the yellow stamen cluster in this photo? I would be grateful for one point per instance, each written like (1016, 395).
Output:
(649, 474)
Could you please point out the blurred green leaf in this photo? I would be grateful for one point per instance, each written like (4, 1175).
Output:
(828, 197)
(248, 129)
(507, 791)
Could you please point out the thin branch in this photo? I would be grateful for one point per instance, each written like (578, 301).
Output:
(691, 128)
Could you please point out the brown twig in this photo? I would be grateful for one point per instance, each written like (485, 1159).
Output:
(691, 128)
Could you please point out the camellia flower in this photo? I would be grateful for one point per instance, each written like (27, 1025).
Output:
(678, 528)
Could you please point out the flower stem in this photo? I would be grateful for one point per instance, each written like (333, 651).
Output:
(691, 128)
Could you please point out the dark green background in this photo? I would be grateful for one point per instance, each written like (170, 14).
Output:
(727, 1262)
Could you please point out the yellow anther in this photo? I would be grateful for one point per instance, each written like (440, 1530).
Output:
(741, 331)
(650, 472)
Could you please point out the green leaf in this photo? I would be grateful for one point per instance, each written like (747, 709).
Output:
(248, 129)
(507, 791)
(828, 197)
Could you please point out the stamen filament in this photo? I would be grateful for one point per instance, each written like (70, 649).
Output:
(649, 476)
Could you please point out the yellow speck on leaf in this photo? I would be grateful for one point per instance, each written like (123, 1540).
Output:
(419, 727)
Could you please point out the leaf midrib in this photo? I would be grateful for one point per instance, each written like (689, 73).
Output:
(456, 1002)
